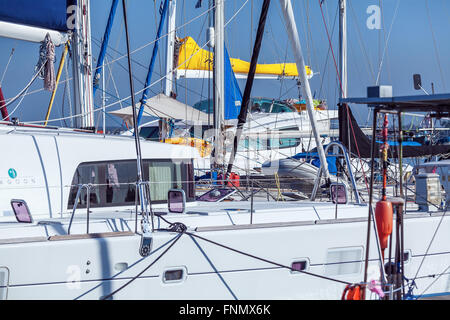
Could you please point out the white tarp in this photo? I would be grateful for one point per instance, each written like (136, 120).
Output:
(162, 106)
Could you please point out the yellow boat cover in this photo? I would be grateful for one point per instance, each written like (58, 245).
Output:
(192, 57)
(203, 147)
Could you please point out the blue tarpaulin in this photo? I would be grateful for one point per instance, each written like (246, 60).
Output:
(404, 143)
(314, 156)
(50, 14)
(233, 95)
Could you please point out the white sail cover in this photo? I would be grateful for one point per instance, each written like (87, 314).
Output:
(162, 106)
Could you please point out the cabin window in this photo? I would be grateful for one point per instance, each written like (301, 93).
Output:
(342, 261)
(252, 144)
(163, 175)
(120, 178)
(115, 181)
(284, 143)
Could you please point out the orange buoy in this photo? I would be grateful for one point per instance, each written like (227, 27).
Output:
(236, 180)
(352, 292)
(233, 180)
(384, 216)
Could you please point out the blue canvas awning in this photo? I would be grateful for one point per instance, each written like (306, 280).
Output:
(49, 14)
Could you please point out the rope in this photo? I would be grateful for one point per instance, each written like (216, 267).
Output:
(266, 260)
(145, 269)
(277, 180)
(47, 59)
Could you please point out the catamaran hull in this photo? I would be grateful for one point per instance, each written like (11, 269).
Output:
(92, 268)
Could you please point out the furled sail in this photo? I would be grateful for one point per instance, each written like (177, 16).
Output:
(351, 135)
(31, 20)
(195, 62)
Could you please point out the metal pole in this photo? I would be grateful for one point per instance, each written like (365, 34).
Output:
(246, 98)
(219, 103)
(291, 28)
(343, 46)
(401, 208)
(152, 65)
(104, 102)
(58, 76)
(171, 37)
(88, 205)
(143, 199)
(369, 219)
(100, 61)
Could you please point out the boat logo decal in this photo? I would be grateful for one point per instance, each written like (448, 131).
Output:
(12, 173)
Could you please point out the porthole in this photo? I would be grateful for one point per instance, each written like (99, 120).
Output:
(174, 275)
(299, 265)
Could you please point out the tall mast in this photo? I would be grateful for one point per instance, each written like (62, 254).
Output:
(152, 64)
(101, 56)
(242, 118)
(343, 47)
(82, 67)
(291, 28)
(219, 99)
(140, 186)
(171, 38)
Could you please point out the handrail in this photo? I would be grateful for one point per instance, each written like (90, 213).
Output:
(88, 187)
(347, 160)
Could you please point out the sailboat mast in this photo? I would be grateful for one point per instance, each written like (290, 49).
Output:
(170, 48)
(343, 47)
(82, 67)
(140, 187)
(219, 99)
(294, 39)
(242, 118)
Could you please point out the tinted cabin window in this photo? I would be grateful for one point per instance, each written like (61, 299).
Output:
(120, 179)
(116, 180)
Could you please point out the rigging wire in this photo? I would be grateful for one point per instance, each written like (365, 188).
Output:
(7, 65)
(137, 92)
(438, 60)
(138, 49)
(386, 44)
(173, 241)
(328, 53)
(24, 90)
(436, 279)
(431, 242)
(361, 43)
(340, 83)
(17, 106)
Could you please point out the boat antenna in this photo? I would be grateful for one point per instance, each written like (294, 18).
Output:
(249, 84)
(140, 184)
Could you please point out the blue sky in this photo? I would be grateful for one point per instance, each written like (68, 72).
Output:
(410, 49)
